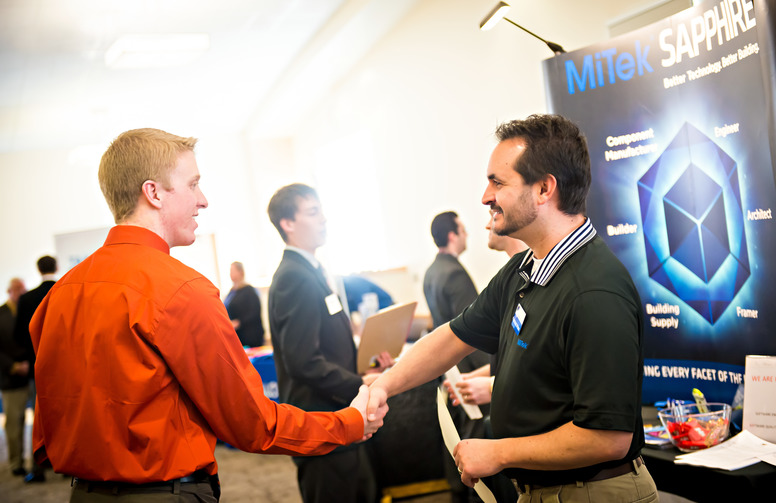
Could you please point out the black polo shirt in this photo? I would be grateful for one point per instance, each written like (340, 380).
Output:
(578, 354)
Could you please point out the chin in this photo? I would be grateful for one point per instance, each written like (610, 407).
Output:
(184, 241)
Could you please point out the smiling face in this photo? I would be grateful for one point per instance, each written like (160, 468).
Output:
(511, 201)
(181, 200)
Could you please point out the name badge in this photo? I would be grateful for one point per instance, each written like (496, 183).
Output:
(333, 304)
(518, 319)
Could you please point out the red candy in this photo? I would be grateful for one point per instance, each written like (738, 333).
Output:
(693, 434)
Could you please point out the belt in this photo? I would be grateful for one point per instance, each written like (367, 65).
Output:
(606, 473)
(195, 478)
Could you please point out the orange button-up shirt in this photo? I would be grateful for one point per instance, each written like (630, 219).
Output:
(139, 369)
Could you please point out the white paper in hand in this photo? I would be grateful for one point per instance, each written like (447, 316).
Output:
(451, 438)
(454, 376)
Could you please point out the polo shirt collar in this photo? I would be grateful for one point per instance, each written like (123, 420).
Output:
(132, 234)
(565, 248)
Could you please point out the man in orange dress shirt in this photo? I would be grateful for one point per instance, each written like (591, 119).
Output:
(138, 366)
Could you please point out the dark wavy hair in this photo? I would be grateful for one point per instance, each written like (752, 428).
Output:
(554, 146)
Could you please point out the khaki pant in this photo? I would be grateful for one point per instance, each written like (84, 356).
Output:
(14, 406)
(632, 487)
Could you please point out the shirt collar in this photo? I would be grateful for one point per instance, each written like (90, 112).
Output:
(565, 248)
(306, 254)
(132, 234)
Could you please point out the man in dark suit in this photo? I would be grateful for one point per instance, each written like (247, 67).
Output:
(28, 303)
(446, 285)
(314, 352)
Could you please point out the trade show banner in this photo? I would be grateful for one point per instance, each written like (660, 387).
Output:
(679, 120)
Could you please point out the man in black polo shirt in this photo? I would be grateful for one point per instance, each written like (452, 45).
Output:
(566, 321)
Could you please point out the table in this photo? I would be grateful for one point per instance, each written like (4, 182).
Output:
(700, 484)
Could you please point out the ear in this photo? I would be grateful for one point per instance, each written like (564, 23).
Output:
(151, 193)
(547, 188)
(287, 225)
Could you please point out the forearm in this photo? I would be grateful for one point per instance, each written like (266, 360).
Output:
(429, 358)
(483, 371)
(564, 448)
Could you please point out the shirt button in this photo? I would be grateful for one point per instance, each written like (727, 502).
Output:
(521, 294)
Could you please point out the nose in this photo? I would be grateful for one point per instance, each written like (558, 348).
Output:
(487, 196)
(202, 203)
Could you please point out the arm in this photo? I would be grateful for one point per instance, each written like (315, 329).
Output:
(474, 390)
(564, 448)
(21, 331)
(213, 370)
(430, 357)
(483, 371)
(605, 390)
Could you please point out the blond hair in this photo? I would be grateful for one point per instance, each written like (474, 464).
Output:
(134, 157)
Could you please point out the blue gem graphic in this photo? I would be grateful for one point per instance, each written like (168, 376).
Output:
(694, 236)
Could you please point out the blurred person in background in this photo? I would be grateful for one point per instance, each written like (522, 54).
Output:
(14, 379)
(244, 308)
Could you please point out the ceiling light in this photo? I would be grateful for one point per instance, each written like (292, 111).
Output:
(156, 51)
(494, 16)
(498, 13)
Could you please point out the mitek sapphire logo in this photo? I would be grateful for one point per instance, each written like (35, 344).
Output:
(607, 67)
(691, 212)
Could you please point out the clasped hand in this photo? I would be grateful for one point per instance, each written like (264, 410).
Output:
(371, 422)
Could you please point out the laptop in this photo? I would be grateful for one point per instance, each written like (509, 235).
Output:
(386, 330)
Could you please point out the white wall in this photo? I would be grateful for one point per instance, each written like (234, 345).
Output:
(428, 96)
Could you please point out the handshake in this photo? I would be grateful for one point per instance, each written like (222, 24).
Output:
(372, 403)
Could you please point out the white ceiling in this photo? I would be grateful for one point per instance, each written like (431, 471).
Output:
(268, 61)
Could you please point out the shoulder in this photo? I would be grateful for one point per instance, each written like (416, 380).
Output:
(292, 266)
(594, 267)
(291, 275)
(157, 274)
(596, 260)
(444, 264)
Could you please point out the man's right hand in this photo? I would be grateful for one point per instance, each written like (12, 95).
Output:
(378, 399)
(375, 421)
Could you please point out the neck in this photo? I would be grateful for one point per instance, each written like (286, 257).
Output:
(146, 218)
(551, 231)
(447, 250)
(309, 249)
(514, 248)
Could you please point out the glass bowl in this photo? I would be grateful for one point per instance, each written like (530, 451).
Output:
(691, 430)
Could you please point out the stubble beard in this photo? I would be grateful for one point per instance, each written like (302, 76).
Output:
(525, 215)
